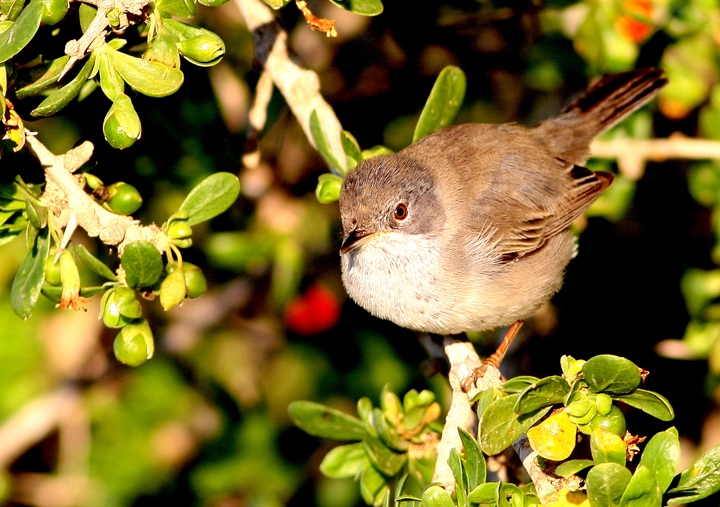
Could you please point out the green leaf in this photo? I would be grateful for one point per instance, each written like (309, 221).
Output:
(649, 402)
(382, 457)
(510, 496)
(519, 384)
(325, 422)
(95, 264)
(111, 83)
(697, 482)
(328, 188)
(606, 484)
(607, 447)
(456, 466)
(36, 214)
(573, 466)
(142, 264)
(435, 496)
(554, 438)
(350, 146)
(475, 466)
(322, 144)
(443, 103)
(611, 374)
(29, 279)
(642, 490)
(486, 493)
(210, 197)
(49, 77)
(344, 461)
(362, 7)
(499, 425)
(661, 456)
(387, 432)
(149, 78)
(373, 485)
(545, 392)
(180, 8)
(13, 40)
(62, 97)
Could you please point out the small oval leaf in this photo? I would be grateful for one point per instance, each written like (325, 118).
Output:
(29, 279)
(545, 392)
(149, 78)
(611, 374)
(328, 188)
(649, 402)
(606, 484)
(662, 455)
(500, 426)
(554, 438)
(142, 264)
(344, 461)
(322, 421)
(607, 447)
(642, 490)
(210, 197)
(444, 101)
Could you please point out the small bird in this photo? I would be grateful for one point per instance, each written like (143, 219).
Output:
(467, 229)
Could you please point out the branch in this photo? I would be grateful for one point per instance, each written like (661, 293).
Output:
(64, 197)
(300, 87)
(35, 421)
(632, 154)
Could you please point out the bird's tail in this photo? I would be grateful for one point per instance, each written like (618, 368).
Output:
(605, 103)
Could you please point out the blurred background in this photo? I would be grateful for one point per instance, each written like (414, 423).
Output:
(205, 421)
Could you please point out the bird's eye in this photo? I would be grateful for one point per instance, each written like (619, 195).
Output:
(401, 212)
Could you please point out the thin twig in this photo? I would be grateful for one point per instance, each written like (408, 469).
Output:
(632, 154)
(300, 87)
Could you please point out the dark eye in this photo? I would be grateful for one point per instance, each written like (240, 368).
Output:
(401, 212)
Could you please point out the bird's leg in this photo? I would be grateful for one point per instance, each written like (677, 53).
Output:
(499, 354)
(494, 360)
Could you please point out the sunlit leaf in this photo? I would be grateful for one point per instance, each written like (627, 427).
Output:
(606, 484)
(94, 263)
(548, 391)
(475, 466)
(499, 425)
(48, 78)
(344, 461)
(662, 455)
(149, 78)
(607, 447)
(697, 482)
(13, 40)
(62, 97)
(321, 142)
(568, 468)
(382, 457)
(649, 402)
(443, 103)
(322, 421)
(362, 7)
(210, 197)
(328, 188)
(142, 264)
(435, 496)
(29, 278)
(554, 438)
(611, 374)
(642, 490)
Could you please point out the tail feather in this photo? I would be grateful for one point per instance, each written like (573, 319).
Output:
(614, 97)
(603, 105)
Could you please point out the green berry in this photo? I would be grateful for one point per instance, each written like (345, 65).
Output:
(613, 422)
(124, 198)
(54, 11)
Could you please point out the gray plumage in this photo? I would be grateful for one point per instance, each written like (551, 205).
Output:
(468, 228)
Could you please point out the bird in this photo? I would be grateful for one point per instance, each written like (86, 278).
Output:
(468, 228)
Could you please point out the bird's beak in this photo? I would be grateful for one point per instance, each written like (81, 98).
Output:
(355, 239)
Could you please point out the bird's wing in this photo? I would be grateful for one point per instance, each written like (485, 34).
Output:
(524, 208)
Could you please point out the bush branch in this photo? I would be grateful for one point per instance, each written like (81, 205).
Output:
(64, 196)
(300, 87)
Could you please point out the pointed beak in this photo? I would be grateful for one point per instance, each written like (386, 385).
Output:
(355, 239)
